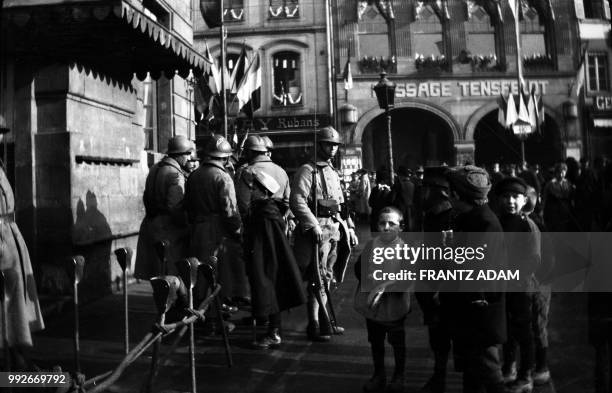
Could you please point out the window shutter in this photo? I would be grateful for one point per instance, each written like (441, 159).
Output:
(579, 7)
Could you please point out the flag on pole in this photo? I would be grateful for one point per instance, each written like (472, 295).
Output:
(213, 76)
(347, 75)
(532, 109)
(579, 79)
(514, 7)
(540, 111)
(551, 9)
(523, 113)
(226, 75)
(249, 92)
(239, 71)
(501, 112)
(511, 115)
(206, 106)
(235, 138)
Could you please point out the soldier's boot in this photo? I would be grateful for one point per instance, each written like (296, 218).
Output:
(326, 329)
(314, 334)
(271, 340)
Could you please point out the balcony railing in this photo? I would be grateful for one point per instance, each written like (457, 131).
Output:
(481, 63)
(431, 63)
(538, 62)
(376, 65)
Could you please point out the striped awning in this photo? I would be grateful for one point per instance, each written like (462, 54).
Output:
(113, 36)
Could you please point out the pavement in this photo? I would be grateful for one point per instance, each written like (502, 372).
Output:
(299, 366)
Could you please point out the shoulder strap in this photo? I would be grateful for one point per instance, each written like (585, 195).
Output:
(323, 182)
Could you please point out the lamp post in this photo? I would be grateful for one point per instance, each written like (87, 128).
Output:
(385, 94)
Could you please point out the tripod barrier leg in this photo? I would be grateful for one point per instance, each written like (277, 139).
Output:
(148, 385)
(126, 343)
(192, 347)
(78, 265)
(228, 350)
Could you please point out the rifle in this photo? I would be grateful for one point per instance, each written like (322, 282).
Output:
(319, 286)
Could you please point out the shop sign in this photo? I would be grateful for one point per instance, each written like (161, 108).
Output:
(603, 103)
(477, 88)
(284, 123)
(602, 123)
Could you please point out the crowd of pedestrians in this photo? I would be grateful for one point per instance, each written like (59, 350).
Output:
(499, 340)
(283, 242)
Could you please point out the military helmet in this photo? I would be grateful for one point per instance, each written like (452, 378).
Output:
(255, 143)
(268, 142)
(218, 147)
(329, 134)
(179, 145)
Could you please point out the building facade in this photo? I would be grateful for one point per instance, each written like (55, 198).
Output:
(291, 39)
(596, 98)
(451, 60)
(91, 92)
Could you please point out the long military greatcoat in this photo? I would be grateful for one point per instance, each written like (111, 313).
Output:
(210, 200)
(165, 220)
(23, 311)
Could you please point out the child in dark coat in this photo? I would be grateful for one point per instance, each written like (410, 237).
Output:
(384, 307)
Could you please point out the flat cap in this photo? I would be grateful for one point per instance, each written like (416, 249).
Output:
(470, 181)
(511, 184)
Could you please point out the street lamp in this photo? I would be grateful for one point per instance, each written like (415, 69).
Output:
(385, 94)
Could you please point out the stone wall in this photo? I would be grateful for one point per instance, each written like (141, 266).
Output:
(89, 176)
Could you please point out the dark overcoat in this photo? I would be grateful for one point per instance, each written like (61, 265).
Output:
(165, 220)
(276, 282)
(474, 324)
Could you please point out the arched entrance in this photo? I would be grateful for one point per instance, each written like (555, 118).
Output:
(420, 137)
(494, 143)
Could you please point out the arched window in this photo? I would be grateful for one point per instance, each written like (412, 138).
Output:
(533, 38)
(480, 33)
(427, 33)
(287, 77)
(484, 36)
(538, 41)
(373, 40)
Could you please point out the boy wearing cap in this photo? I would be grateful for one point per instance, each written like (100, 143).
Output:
(478, 319)
(525, 255)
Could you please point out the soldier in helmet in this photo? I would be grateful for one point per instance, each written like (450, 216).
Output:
(263, 198)
(332, 231)
(269, 145)
(165, 217)
(210, 200)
